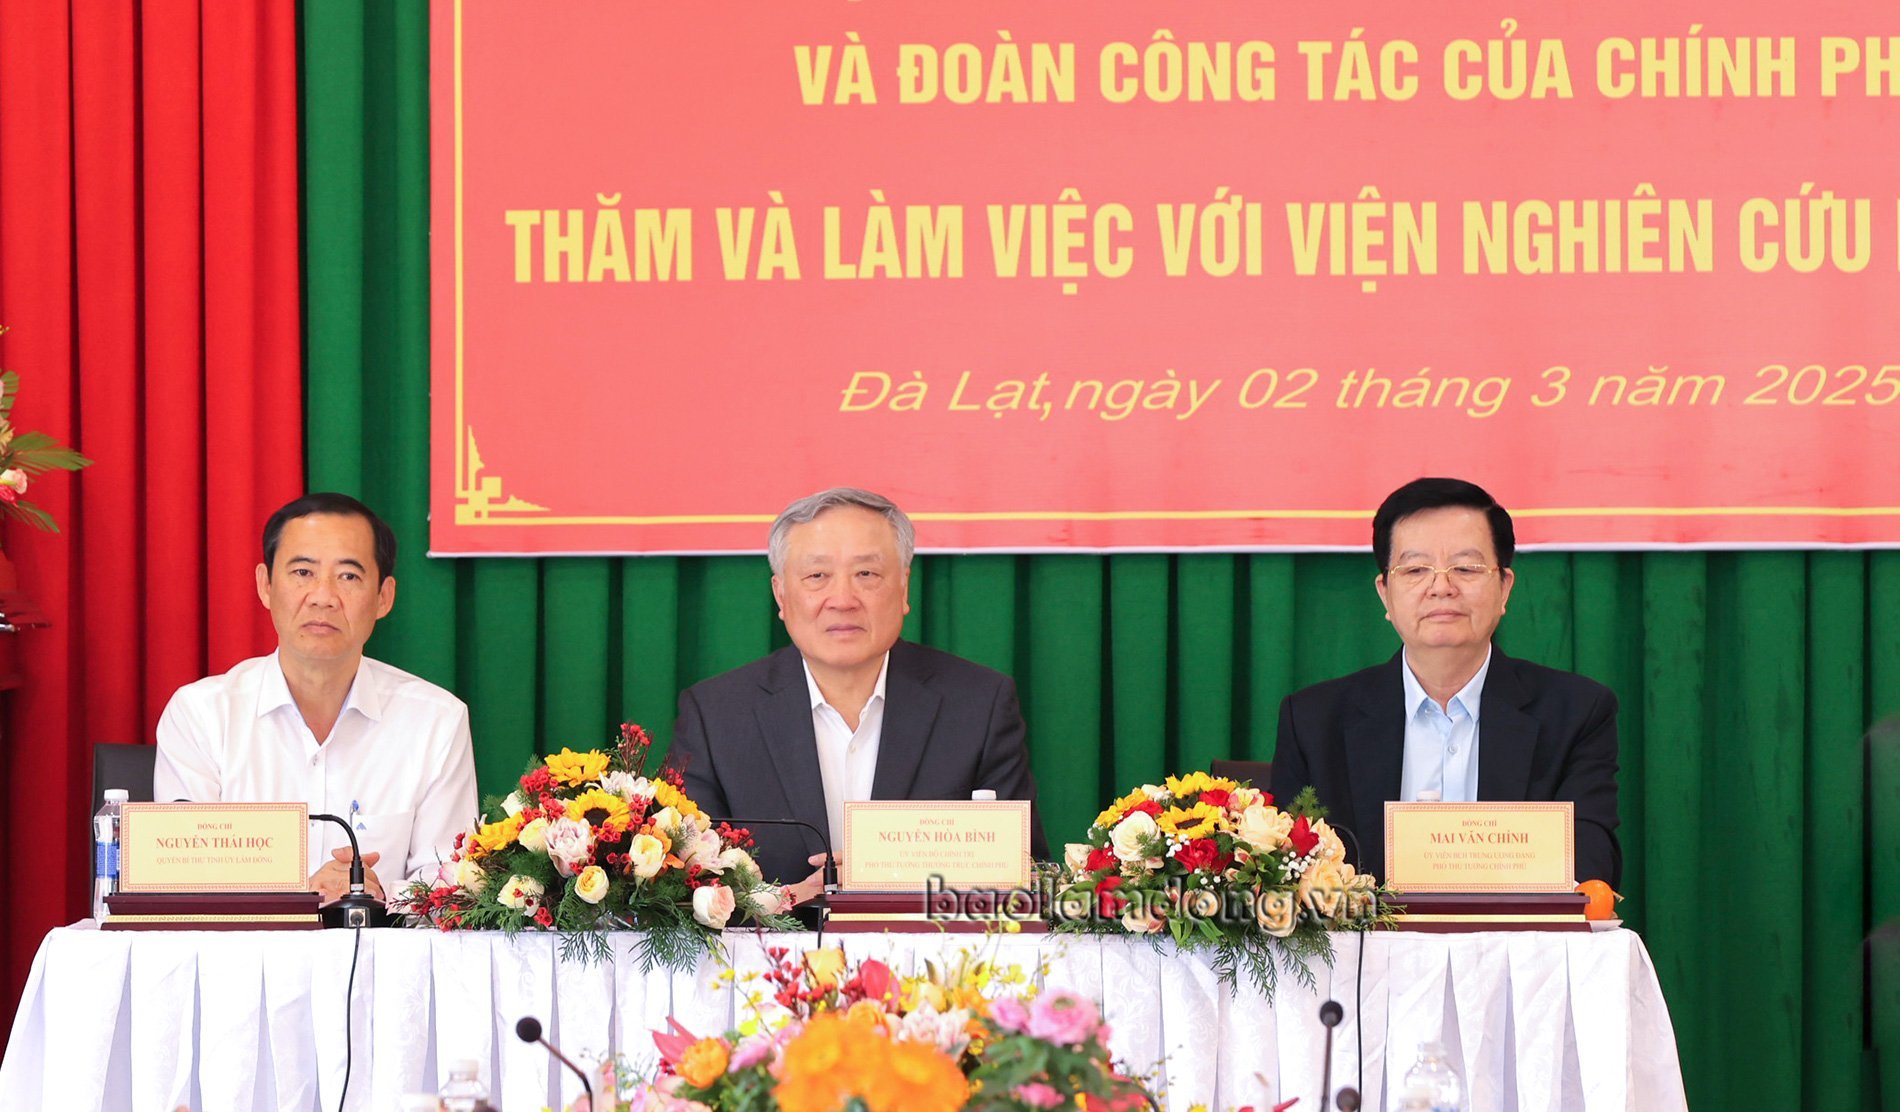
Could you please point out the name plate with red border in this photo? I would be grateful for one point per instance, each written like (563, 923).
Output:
(903, 845)
(1480, 847)
(214, 847)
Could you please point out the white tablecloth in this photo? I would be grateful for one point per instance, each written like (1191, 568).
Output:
(226, 1020)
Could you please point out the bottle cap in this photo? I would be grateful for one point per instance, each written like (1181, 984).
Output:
(985, 795)
(117, 795)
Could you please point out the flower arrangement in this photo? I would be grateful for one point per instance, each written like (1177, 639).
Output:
(588, 842)
(25, 454)
(1214, 863)
(969, 1035)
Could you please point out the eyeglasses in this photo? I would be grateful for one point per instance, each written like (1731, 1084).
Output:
(1420, 575)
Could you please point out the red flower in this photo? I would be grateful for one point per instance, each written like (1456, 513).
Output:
(1105, 896)
(537, 782)
(1101, 858)
(1302, 836)
(1203, 853)
(1266, 799)
(1215, 797)
(1147, 807)
(878, 981)
(543, 916)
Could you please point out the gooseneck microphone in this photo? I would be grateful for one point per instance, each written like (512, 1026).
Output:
(831, 859)
(528, 1029)
(1330, 1013)
(356, 908)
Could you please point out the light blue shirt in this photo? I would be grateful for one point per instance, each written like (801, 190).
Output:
(1441, 743)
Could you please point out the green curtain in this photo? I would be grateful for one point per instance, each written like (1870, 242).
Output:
(1760, 851)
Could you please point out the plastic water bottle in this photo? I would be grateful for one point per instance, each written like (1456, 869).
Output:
(105, 851)
(1433, 1074)
(464, 1092)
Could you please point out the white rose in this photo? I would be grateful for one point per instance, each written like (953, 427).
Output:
(1158, 793)
(534, 836)
(514, 804)
(522, 892)
(666, 819)
(1264, 827)
(1076, 856)
(570, 845)
(713, 905)
(15, 478)
(645, 856)
(469, 876)
(591, 885)
(736, 858)
(1129, 834)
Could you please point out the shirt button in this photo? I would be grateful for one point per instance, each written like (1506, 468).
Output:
(1454, 750)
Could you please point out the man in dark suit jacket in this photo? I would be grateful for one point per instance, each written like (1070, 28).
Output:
(847, 711)
(1444, 549)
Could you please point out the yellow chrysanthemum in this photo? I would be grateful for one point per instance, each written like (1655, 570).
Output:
(1195, 783)
(1119, 808)
(1197, 821)
(666, 795)
(494, 837)
(599, 807)
(573, 768)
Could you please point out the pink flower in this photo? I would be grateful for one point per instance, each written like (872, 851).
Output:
(1037, 1094)
(1009, 1014)
(570, 845)
(750, 1052)
(713, 905)
(1063, 1018)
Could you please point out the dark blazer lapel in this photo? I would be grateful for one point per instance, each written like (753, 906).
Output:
(785, 714)
(1506, 735)
(910, 711)
(1375, 751)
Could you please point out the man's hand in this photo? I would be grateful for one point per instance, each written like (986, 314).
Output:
(811, 887)
(333, 880)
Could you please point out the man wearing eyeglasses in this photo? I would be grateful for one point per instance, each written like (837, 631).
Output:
(1449, 717)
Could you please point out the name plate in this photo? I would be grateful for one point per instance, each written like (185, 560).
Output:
(903, 845)
(214, 847)
(1480, 847)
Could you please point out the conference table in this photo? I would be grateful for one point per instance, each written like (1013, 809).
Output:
(221, 1021)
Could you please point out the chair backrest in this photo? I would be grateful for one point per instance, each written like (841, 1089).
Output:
(1257, 773)
(122, 766)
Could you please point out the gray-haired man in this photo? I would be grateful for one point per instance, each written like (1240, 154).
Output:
(847, 711)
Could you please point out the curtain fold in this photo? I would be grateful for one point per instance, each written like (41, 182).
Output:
(149, 270)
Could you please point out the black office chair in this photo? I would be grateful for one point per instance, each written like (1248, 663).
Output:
(1257, 773)
(122, 766)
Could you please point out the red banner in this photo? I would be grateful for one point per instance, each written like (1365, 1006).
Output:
(1162, 275)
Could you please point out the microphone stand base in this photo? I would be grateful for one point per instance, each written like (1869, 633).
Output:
(355, 911)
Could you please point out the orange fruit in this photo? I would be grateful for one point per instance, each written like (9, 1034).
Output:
(1602, 900)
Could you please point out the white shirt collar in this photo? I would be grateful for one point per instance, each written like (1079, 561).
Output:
(1469, 697)
(366, 695)
(818, 697)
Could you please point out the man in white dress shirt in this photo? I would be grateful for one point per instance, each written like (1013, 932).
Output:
(319, 722)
